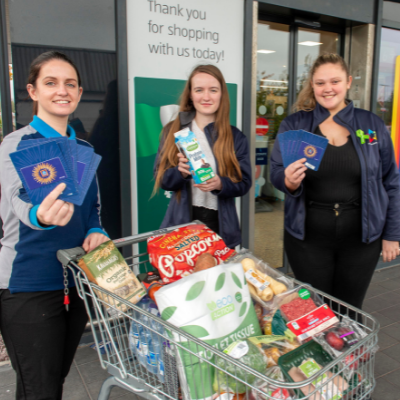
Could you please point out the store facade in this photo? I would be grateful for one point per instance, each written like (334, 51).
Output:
(135, 55)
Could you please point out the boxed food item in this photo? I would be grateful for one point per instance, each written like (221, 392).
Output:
(215, 306)
(188, 145)
(306, 317)
(175, 254)
(306, 362)
(106, 267)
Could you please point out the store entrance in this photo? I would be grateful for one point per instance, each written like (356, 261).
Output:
(284, 57)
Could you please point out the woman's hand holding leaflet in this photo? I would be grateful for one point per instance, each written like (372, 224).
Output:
(53, 211)
(390, 250)
(183, 166)
(294, 174)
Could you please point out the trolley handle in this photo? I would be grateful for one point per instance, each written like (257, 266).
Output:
(68, 255)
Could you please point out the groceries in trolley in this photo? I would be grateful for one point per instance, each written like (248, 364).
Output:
(42, 164)
(175, 254)
(106, 267)
(215, 307)
(189, 146)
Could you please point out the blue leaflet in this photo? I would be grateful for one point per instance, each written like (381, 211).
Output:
(313, 148)
(85, 156)
(302, 144)
(66, 147)
(41, 168)
(81, 163)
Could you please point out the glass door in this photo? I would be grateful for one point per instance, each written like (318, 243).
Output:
(272, 108)
(285, 54)
(310, 44)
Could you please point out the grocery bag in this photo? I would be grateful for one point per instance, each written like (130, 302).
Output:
(215, 306)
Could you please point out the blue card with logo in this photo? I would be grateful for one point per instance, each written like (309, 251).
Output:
(41, 168)
(67, 147)
(312, 147)
(299, 144)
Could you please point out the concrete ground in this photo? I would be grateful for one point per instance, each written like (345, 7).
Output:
(383, 302)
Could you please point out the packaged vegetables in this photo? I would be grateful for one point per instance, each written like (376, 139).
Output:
(248, 354)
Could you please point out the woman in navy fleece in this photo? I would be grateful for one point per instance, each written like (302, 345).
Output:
(40, 335)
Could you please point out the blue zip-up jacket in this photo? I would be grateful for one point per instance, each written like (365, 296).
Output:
(380, 186)
(181, 212)
(28, 261)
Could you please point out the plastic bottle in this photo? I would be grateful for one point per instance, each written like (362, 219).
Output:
(134, 341)
(151, 341)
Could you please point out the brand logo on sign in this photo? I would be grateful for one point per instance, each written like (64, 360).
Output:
(44, 173)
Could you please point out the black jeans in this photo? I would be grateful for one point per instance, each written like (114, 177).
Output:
(41, 338)
(332, 258)
(207, 216)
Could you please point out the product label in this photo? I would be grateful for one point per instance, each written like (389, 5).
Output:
(237, 349)
(187, 144)
(312, 323)
(304, 294)
(152, 359)
(328, 389)
(256, 280)
(145, 349)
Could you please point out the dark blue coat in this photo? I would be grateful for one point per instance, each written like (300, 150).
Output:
(380, 186)
(181, 212)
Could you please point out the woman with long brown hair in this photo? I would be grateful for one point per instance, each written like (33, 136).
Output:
(204, 108)
(338, 219)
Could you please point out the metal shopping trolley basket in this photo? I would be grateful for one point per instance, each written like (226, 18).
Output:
(204, 372)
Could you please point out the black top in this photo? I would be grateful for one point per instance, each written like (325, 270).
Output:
(338, 179)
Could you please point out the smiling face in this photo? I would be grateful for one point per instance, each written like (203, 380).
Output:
(330, 84)
(56, 90)
(205, 94)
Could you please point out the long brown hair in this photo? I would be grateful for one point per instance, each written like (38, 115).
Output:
(37, 65)
(306, 100)
(223, 148)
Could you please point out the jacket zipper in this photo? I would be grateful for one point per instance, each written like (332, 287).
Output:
(366, 172)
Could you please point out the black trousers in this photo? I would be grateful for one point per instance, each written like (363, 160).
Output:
(332, 258)
(41, 338)
(207, 216)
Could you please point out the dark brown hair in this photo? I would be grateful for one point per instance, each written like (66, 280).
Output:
(38, 63)
(306, 100)
(223, 148)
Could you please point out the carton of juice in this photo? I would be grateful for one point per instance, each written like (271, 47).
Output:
(188, 145)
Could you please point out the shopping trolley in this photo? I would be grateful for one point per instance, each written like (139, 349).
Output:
(112, 332)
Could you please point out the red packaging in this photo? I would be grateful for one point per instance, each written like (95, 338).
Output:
(174, 254)
(297, 308)
(316, 321)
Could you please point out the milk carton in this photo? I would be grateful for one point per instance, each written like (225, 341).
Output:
(188, 145)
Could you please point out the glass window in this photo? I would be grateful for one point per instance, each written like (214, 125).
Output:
(84, 31)
(272, 108)
(390, 49)
(312, 43)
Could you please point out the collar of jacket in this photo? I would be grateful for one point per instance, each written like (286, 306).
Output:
(345, 115)
(186, 117)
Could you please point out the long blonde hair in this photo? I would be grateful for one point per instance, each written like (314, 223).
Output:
(223, 148)
(306, 100)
